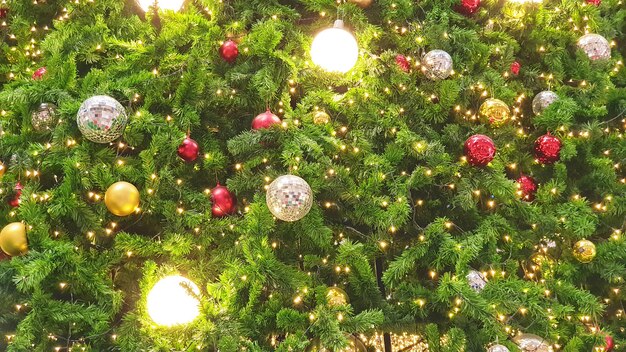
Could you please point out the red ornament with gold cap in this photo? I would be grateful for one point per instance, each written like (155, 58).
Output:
(224, 202)
(188, 150)
(479, 150)
(548, 149)
(265, 120)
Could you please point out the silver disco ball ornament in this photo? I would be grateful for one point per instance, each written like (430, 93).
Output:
(532, 343)
(543, 100)
(45, 117)
(289, 198)
(437, 65)
(595, 46)
(498, 348)
(476, 280)
(101, 119)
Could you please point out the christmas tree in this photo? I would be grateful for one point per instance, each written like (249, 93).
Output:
(313, 175)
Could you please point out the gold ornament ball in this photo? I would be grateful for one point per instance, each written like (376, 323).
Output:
(584, 251)
(532, 343)
(122, 198)
(336, 297)
(321, 118)
(362, 3)
(13, 239)
(495, 112)
(354, 345)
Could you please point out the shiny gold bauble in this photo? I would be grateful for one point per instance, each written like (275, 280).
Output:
(362, 3)
(584, 251)
(122, 198)
(321, 118)
(354, 345)
(13, 239)
(495, 112)
(336, 297)
(532, 343)
(3, 169)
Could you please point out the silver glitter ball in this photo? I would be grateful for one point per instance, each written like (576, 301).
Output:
(437, 65)
(543, 100)
(498, 348)
(532, 343)
(595, 46)
(289, 198)
(476, 280)
(45, 118)
(101, 119)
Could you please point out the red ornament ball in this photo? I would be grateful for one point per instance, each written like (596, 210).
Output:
(515, 68)
(4, 12)
(224, 202)
(479, 150)
(468, 7)
(15, 201)
(39, 73)
(594, 2)
(547, 149)
(188, 150)
(403, 63)
(229, 51)
(609, 343)
(527, 187)
(265, 120)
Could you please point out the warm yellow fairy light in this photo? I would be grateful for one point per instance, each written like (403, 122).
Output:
(335, 49)
(170, 301)
(173, 5)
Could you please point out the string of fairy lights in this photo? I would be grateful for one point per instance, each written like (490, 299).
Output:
(337, 40)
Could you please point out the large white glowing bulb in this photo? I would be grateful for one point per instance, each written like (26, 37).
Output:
(335, 49)
(173, 5)
(170, 302)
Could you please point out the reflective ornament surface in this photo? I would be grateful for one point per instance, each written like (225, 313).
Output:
(476, 280)
(526, 188)
(101, 119)
(584, 251)
(494, 112)
(543, 100)
(289, 198)
(335, 49)
(336, 297)
(172, 301)
(223, 202)
(188, 150)
(265, 120)
(548, 149)
(122, 198)
(595, 46)
(437, 65)
(479, 150)
(229, 51)
(13, 239)
(498, 348)
(45, 117)
(532, 343)
(321, 118)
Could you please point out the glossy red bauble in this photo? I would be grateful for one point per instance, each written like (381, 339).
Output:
(468, 7)
(594, 2)
(265, 120)
(609, 343)
(229, 51)
(17, 194)
(4, 12)
(548, 149)
(479, 150)
(39, 73)
(515, 68)
(403, 63)
(527, 187)
(188, 150)
(224, 202)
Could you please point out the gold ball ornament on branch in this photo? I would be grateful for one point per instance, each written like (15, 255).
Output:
(321, 118)
(336, 296)
(584, 251)
(532, 343)
(495, 112)
(122, 198)
(13, 239)
(362, 3)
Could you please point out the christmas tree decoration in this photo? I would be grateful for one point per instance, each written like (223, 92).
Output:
(362, 3)
(476, 280)
(289, 198)
(437, 65)
(584, 251)
(336, 297)
(547, 149)
(498, 348)
(122, 198)
(609, 343)
(595, 46)
(13, 239)
(543, 100)
(15, 199)
(594, 2)
(173, 301)
(3, 169)
(101, 119)
(4, 12)
(335, 49)
(265, 120)
(479, 150)
(224, 202)
(229, 51)
(526, 188)
(188, 150)
(403, 63)
(173, 5)
(468, 7)
(321, 118)
(515, 68)
(495, 112)
(39, 73)
(532, 343)
(44, 118)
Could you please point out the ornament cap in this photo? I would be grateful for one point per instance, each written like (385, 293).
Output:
(339, 24)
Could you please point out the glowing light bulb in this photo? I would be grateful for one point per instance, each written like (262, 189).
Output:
(170, 303)
(335, 49)
(173, 5)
